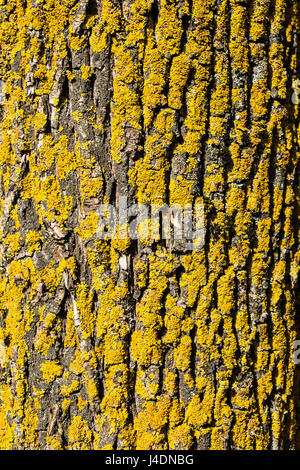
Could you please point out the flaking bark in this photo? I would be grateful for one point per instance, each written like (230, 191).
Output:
(136, 344)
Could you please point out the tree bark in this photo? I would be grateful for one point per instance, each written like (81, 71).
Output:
(138, 343)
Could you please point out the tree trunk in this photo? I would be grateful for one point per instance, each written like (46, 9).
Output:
(145, 342)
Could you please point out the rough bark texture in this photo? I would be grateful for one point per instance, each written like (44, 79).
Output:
(166, 101)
